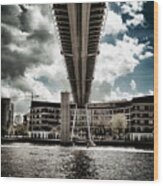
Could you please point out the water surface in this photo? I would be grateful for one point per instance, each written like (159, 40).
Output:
(29, 160)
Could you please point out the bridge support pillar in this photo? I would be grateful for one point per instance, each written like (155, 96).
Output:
(65, 118)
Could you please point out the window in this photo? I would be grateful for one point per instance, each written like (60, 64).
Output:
(138, 115)
(145, 115)
(151, 108)
(141, 107)
(150, 122)
(146, 122)
(141, 121)
(146, 108)
(151, 114)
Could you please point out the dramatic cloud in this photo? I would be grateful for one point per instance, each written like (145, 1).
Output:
(114, 24)
(121, 52)
(134, 12)
(120, 59)
(29, 42)
(31, 59)
(119, 95)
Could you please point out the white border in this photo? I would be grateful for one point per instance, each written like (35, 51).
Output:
(57, 1)
(63, 182)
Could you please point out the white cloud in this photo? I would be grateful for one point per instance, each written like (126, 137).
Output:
(117, 94)
(151, 92)
(114, 24)
(8, 91)
(133, 9)
(138, 19)
(118, 60)
(21, 89)
(56, 71)
(133, 85)
(146, 55)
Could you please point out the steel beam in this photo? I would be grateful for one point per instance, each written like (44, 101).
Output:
(72, 13)
(79, 26)
(84, 53)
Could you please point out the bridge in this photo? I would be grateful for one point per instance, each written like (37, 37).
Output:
(79, 26)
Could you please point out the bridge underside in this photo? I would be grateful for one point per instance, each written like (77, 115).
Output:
(79, 26)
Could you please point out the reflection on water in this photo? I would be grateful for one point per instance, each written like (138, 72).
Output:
(80, 166)
(27, 160)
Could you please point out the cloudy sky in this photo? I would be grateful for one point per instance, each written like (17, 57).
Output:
(31, 60)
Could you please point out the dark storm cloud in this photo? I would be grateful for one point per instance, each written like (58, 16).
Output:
(27, 39)
(41, 35)
(30, 14)
(14, 63)
(6, 37)
(10, 15)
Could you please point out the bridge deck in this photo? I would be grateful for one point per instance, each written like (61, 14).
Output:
(79, 26)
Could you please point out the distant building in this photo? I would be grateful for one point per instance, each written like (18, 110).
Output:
(26, 119)
(101, 117)
(45, 119)
(142, 119)
(7, 114)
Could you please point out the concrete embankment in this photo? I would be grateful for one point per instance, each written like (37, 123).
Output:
(117, 143)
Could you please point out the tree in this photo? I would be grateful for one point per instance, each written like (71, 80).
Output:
(118, 124)
(21, 130)
(55, 132)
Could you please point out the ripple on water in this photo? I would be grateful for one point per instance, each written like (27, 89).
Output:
(27, 160)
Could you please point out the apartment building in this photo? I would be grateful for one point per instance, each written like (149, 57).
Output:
(45, 119)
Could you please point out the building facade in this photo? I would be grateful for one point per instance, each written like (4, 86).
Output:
(45, 119)
(7, 115)
(142, 119)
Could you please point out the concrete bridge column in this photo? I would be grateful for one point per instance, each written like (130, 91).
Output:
(65, 118)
